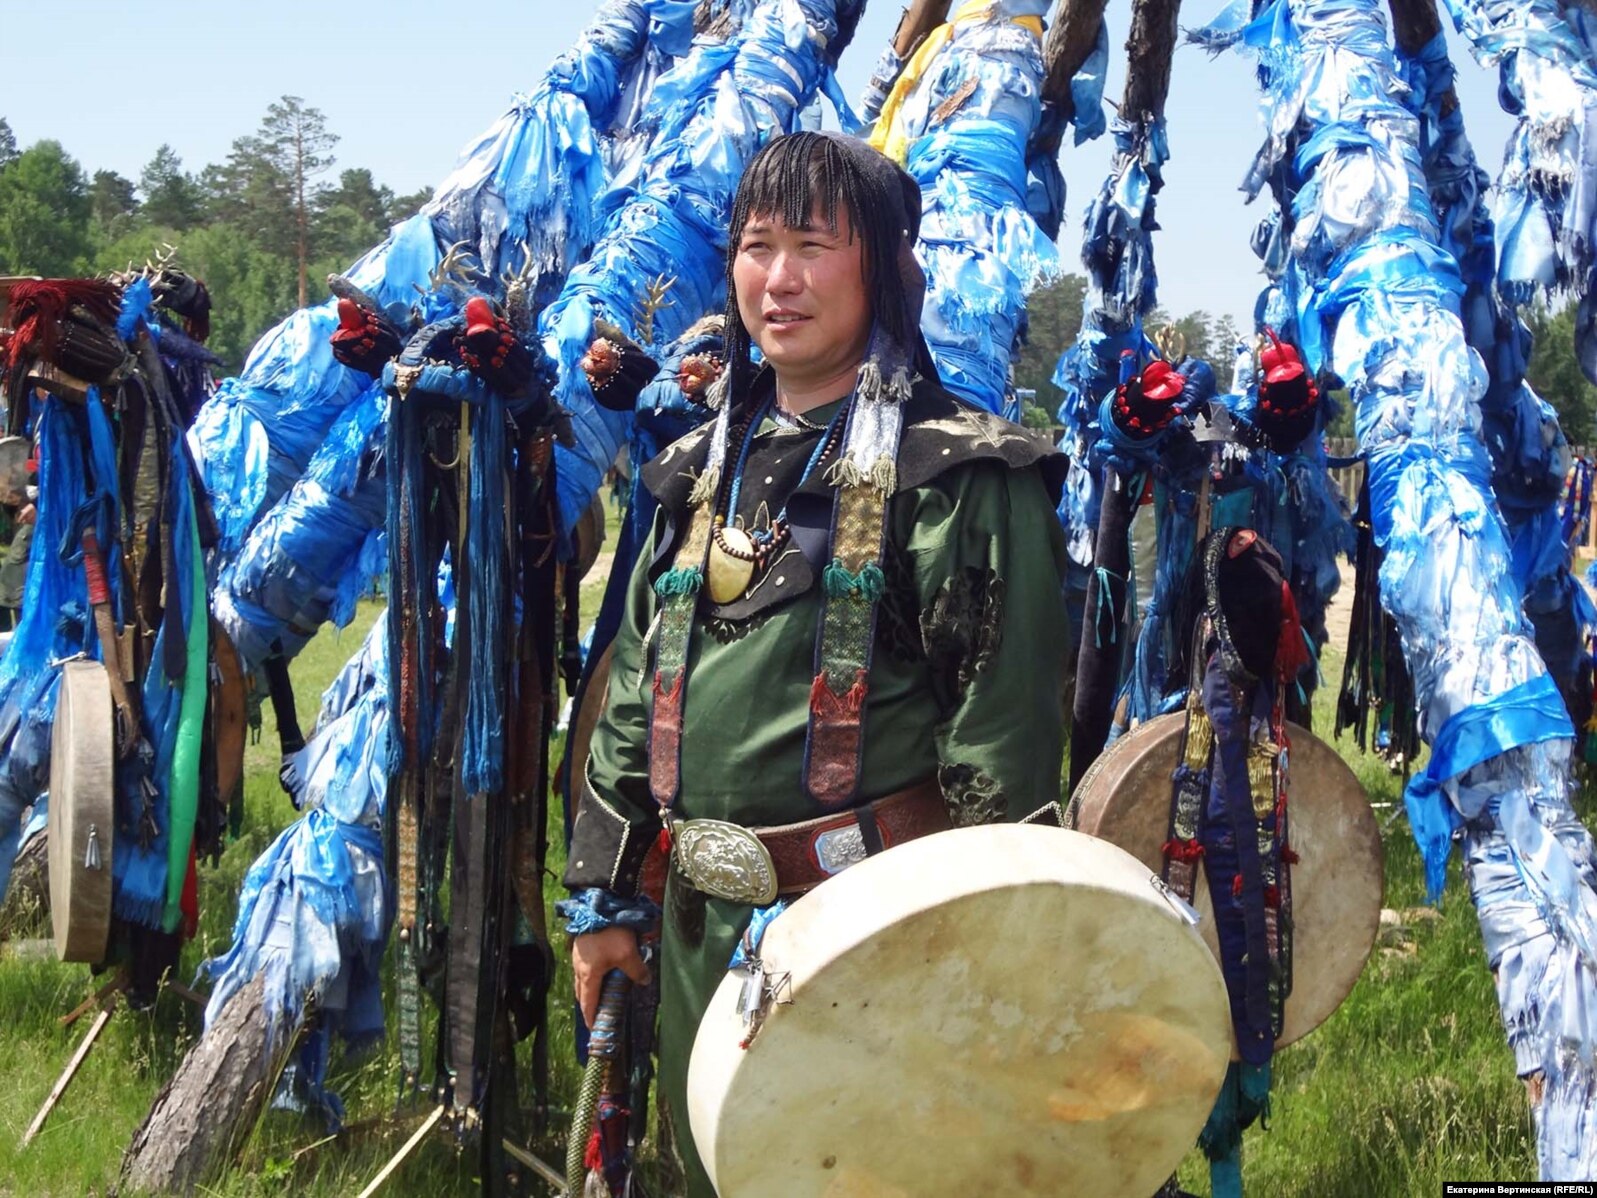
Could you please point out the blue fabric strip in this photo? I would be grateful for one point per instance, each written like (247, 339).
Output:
(1523, 715)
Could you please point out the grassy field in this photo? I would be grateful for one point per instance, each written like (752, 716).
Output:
(1408, 1085)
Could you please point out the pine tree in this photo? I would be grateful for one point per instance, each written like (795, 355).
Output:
(171, 198)
(296, 140)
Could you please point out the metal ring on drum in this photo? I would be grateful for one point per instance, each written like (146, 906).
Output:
(82, 818)
(1006, 1009)
(1337, 884)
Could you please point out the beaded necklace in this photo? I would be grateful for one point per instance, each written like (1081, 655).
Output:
(757, 549)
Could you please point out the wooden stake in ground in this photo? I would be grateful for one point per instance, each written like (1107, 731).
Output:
(405, 1150)
(67, 1075)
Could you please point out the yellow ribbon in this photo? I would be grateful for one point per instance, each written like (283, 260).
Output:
(889, 134)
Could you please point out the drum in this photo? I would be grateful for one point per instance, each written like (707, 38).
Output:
(1337, 883)
(1008, 1009)
(14, 454)
(82, 819)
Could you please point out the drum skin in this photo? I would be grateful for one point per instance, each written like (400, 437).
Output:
(1337, 883)
(1008, 1009)
(14, 454)
(81, 800)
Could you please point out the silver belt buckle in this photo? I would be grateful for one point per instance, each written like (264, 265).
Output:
(725, 861)
(838, 848)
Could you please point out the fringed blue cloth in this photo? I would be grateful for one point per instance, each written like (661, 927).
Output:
(54, 625)
(343, 768)
(254, 438)
(314, 912)
(524, 196)
(1117, 252)
(1378, 303)
(1528, 450)
(318, 550)
(706, 117)
(967, 123)
(1545, 206)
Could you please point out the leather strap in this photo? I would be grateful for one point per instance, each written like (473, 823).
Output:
(904, 815)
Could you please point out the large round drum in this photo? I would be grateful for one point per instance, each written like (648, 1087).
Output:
(82, 819)
(1008, 1009)
(1336, 885)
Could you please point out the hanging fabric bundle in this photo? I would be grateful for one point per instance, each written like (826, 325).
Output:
(1500, 735)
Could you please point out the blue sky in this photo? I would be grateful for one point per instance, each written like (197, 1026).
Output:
(405, 88)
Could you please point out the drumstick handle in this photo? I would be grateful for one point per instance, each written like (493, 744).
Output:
(603, 1042)
(605, 1037)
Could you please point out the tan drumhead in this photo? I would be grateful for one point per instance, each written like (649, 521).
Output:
(14, 470)
(1336, 886)
(997, 1010)
(229, 715)
(82, 818)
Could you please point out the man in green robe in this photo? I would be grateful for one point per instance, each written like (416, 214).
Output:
(851, 605)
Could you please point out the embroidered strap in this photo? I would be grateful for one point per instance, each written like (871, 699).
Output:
(678, 591)
(405, 981)
(852, 587)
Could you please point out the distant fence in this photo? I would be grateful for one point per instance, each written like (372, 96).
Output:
(1351, 477)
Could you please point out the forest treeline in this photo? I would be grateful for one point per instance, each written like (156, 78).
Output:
(264, 227)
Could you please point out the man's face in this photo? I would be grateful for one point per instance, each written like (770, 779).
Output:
(802, 296)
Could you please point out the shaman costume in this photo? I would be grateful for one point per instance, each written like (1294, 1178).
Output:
(846, 618)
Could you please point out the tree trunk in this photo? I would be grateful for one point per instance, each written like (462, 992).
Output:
(1149, 48)
(1070, 41)
(299, 193)
(1414, 24)
(26, 909)
(211, 1102)
(920, 18)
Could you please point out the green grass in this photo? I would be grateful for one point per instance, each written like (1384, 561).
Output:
(1408, 1084)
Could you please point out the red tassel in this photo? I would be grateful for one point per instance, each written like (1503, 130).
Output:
(1288, 856)
(1177, 849)
(593, 1158)
(1291, 652)
(1236, 886)
(1272, 896)
(825, 702)
(663, 841)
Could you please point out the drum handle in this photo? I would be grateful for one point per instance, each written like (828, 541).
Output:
(604, 1040)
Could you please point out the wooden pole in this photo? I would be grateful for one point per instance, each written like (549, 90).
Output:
(1069, 44)
(1149, 48)
(545, 1171)
(1414, 24)
(405, 1150)
(67, 1075)
(920, 18)
(119, 983)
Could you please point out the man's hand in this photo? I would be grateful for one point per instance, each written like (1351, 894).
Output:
(596, 954)
(27, 515)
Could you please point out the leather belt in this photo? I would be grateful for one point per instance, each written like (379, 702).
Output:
(755, 865)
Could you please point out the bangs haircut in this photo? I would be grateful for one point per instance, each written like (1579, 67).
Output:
(799, 175)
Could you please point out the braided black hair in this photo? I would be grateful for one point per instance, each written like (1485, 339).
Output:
(802, 175)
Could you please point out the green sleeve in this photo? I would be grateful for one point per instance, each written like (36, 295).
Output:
(617, 820)
(988, 559)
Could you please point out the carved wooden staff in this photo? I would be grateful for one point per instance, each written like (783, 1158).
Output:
(1103, 631)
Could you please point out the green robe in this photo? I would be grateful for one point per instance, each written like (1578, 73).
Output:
(964, 684)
